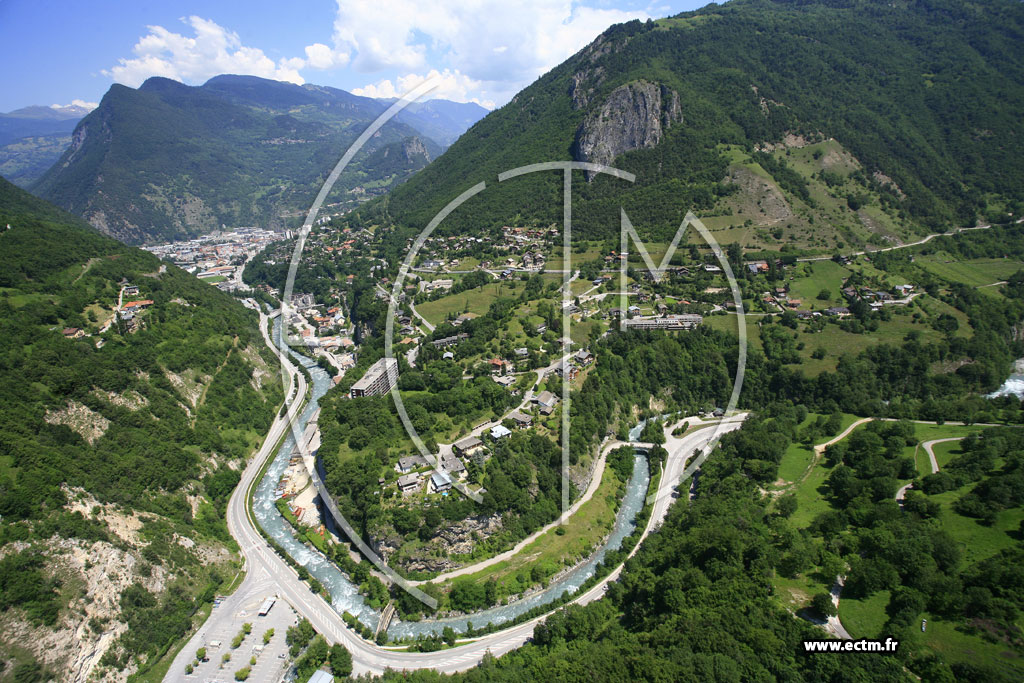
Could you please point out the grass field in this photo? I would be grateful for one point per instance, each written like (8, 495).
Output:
(973, 272)
(813, 278)
(471, 301)
(944, 452)
(864, 617)
(834, 340)
(954, 645)
(794, 468)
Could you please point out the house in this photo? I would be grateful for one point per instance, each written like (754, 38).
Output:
(542, 328)
(448, 355)
(904, 290)
(73, 332)
(522, 352)
(499, 366)
(321, 677)
(440, 482)
(546, 400)
(708, 268)
(449, 341)
(137, 305)
(468, 447)
(452, 465)
(463, 318)
(499, 432)
(566, 369)
(409, 463)
(407, 483)
(840, 311)
(522, 421)
(506, 381)
(662, 309)
(583, 357)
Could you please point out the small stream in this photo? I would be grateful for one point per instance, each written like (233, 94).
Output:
(345, 595)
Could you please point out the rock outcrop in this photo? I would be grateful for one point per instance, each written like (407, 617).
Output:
(634, 116)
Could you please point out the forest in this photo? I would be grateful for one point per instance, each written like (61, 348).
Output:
(133, 436)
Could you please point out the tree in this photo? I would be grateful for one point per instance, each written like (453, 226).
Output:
(341, 661)
(823, 605)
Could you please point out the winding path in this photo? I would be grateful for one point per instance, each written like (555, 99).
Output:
(927, 445)
(265, 570)
(595, 482)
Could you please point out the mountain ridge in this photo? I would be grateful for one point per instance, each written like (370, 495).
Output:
(929, 110)
(169, 160)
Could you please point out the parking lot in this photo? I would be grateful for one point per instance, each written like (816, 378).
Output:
(224, 624)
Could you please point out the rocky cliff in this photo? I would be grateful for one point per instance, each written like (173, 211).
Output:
(635, 116)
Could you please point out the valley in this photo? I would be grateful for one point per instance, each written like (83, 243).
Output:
(742, 378)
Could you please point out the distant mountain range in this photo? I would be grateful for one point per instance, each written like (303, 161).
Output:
(169, 160)
(33, 138)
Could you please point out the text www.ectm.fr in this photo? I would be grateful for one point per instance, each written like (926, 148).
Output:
(860, 645)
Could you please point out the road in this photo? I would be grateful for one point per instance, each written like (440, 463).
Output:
(900, 246)
(261, 573)
(266, 570)
(927, 445)
(595, 482)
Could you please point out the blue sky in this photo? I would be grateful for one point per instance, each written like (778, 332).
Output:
(57, 52)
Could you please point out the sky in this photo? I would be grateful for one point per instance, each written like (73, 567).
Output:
(63, 52)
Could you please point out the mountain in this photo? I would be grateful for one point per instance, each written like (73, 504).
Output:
(33, 138)
(120, 442)
(37, 120)
(784, 124)
(168, 160)
(441, 120)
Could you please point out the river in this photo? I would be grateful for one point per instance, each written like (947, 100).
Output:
(1014, 384)
(345, 595)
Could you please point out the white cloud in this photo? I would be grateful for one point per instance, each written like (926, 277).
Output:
(76, 103)
(449, 85)
(213, 50)
(503, 46)
(320, 56)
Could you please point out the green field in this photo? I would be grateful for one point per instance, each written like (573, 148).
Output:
(954, 645)
(864, 617)
(814, 277)
(973, 272)
(471, 301)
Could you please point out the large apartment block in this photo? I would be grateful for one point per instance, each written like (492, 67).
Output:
(378, 380)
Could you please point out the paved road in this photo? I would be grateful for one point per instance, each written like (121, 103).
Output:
(261, 578)
(595, 482)
(927, 445)
(264, 567)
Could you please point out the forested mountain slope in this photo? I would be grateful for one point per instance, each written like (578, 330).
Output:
(169, 160)
(118, 448)
(880, 120)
